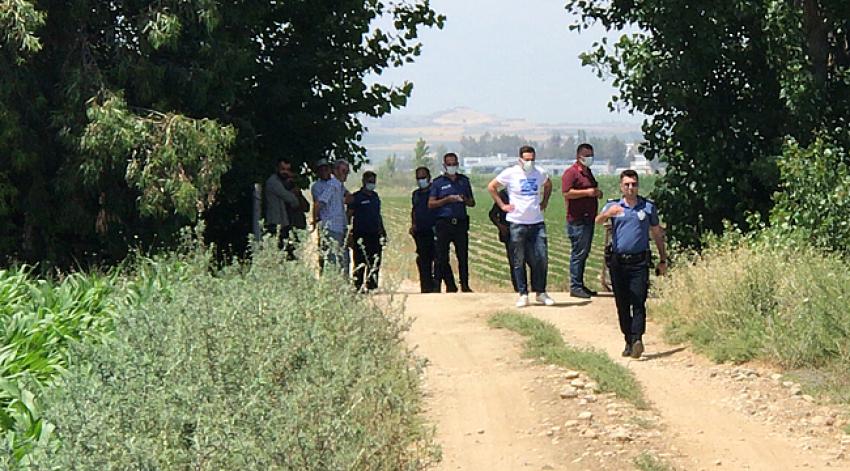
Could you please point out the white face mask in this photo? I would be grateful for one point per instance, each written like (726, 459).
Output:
(423, 182)
(451, 169)
(370, 186)
(587, 161)
(527, 165)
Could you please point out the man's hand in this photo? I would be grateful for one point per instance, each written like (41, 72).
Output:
(614, 211)
(597, 193)
(457, 198)
(661, 268)
(544, 204)
(412, 230)
(507, 208)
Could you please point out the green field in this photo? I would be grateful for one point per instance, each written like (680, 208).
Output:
(487, 259)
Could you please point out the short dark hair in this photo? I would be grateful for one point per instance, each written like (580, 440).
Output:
(369, 173)
(584, 145)
(629, 173)
(449, 154)
(426, 169)
(283, 160)
(525, 149)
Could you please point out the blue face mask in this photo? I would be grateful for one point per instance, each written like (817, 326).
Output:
(423, 182)
(370, 186)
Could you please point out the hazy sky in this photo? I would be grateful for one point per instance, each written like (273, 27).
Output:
(512, 58)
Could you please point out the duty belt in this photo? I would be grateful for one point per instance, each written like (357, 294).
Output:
(632, 258)
(453, 221)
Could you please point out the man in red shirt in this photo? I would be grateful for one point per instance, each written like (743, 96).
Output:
(581, 193)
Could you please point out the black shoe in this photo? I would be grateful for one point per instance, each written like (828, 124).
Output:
(627, 352)
(466, 289)
(637, 349)
(450, 289)
(579, 293)
(589, 291)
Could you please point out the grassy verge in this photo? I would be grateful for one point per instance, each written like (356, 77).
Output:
(545, 342)
(757, 297)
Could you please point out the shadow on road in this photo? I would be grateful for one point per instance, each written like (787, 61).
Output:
(653, 356)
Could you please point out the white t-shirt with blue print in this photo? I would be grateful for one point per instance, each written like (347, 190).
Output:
(524, 191)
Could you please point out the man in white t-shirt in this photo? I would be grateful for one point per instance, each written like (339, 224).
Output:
(523, 182)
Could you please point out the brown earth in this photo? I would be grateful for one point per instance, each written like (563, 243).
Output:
(494, 410)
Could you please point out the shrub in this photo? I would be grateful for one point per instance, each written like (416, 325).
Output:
(260, 367)
(762, 296)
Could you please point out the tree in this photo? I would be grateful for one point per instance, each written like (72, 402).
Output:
(389, 166)
(422, 155)
(122, 121)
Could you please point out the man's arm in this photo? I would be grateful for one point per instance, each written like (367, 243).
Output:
(493, 189)
(275, 187)
(434, 202)
(657, 233)
(571, 193)
(547, 192)
(609, 212)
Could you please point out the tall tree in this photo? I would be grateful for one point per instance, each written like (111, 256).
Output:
(121, 121)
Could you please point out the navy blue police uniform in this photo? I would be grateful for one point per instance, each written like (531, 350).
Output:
(366, 233)
(628, 259)
(423, 236)
(451, 227)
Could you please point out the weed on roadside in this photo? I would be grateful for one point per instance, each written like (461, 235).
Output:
(647, 462)
(545, 342)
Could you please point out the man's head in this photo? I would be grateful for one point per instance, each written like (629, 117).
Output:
(450, 163)
(341, 170)
(526, 157)
(629, 183)
(584, 154)
(284, 168)
(369, 180)
(323, 169)
(423, 177)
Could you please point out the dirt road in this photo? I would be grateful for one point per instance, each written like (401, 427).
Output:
(495, 411)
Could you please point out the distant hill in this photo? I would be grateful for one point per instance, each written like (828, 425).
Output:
(398, 133)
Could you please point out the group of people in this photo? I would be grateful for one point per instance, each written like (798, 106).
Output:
(521, 194)
(439, 219)
(334, 210)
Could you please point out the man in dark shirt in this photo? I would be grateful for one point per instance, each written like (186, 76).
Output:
(498, 218)
(581, 193)
(422, 230)
(367, 233)
(450, 195)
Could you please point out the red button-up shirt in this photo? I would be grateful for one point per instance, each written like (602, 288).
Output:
(579, 177)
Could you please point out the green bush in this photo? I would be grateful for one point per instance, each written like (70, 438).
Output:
(815, 192)
(766, 296)
(260, 367)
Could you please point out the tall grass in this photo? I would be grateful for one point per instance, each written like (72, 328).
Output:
(759, 297)
(252, 367)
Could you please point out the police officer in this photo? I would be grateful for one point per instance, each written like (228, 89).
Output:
(422, 230)
(450, 194)
(367, 233)
(633, 219)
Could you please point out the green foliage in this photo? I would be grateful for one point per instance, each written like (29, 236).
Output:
(211, 94)
(175, 162)
(766, 296)
(545, 342)
(421, 155)
(647, 462)
(260, 367)
(815, 194)
(723, 85)
(18, 21)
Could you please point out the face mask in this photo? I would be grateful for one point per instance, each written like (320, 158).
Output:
(451, 169)
(587, 161)
(528, 165)
(423, 182)
(370, 186)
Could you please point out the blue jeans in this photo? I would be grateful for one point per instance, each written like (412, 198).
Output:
(333, 250)
(581, 235)
(529, 245)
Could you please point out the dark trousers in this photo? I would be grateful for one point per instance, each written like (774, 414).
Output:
(630, 282)
(367, 260)
(452, 231)
(425, 251)
(581, 236)
(529, 246)
(283, 234)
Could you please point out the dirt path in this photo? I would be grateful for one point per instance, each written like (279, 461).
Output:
(494, 411)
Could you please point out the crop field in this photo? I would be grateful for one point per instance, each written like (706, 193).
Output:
(487, 258)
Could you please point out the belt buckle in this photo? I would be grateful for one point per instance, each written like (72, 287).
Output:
(454, 221)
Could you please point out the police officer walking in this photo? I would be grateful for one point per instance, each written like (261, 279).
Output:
(450, 194)
(367, 233)
(633, 219)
